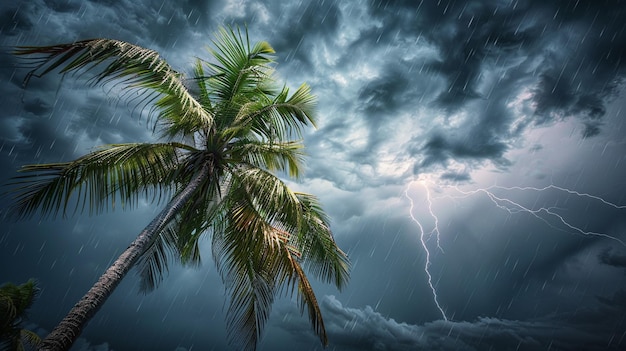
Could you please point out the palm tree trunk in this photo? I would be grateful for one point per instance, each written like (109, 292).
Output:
(67, 331)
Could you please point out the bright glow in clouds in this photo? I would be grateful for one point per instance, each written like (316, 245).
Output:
(548, 214)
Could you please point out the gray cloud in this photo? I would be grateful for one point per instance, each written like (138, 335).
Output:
(455, 177)
(611, 258)
(14, 21)
(577, 69)
(366, 329)
(617, 302)
(304, 22)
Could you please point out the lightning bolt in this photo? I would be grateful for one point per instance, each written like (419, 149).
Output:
(572, 192)
(422, 235)
(543, 214)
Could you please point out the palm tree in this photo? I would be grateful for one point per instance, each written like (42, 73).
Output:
(15, 300)
(225, 140)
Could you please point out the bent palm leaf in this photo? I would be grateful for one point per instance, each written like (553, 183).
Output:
(124, 170)
(131, 66)
(261, 247)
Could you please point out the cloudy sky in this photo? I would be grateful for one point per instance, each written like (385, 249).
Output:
(482, 140)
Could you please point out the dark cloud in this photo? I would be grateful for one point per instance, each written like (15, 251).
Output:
(578, 68)
(382, 96)
(366, 329)
(617, 301)
(441, 147)
(14, 21)
(37, 106)
(302, 23)
(62, 6)
(455, 176)
(380, 101)
(611, 258)
(294, 29)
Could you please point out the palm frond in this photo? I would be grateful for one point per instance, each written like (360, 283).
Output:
(129, 65)
(240, 69)
(307, 299)
(179, 239)
(278, 156)
(320, 254)
(252, 293)
(30, 337)
(200, 79)
(270, 198)
(252, 270)
(94, 179)
(256, 252)
(15, 300)
(271, 203)
(280, 118)
(154, 262)
(249, 255)
(18, 298)
(195, 219)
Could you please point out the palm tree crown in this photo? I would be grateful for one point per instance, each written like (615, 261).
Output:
(226, 136)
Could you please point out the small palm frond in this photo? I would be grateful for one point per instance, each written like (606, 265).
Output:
(131, 66)
(153, 264)
(200, 79)
(277, 156)
(179, 239)
(31, 338)
(270, 199)
(256, 252)
(306, 298)
(320, 254)
(240, 70)
(196, 218)
(18, 298)
(279, 118)
(8, 310)
(94, 179)
(252, 293)
(15, 300)
(251, 271)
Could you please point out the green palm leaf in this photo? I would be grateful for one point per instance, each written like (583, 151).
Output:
(154, 262)
(320, 254)
(128, 170)
(279, 118)
(248, 264)
(269, 197)
(266, 228)
(278, 156)
(31, 338)
(131, 66)
(15, 300)
(240, 70)
(307, 299)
